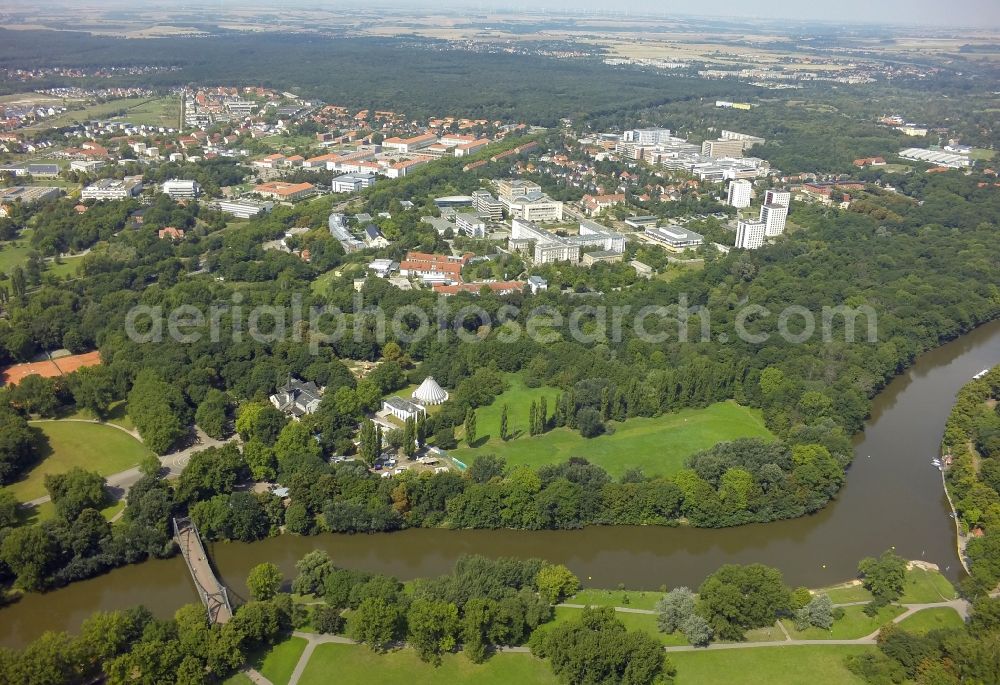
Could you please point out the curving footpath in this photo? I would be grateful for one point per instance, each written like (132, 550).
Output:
(961, 606)
(119, 483)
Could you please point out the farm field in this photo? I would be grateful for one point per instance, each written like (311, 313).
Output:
(657, 445)
(150, 111)
(90, 446)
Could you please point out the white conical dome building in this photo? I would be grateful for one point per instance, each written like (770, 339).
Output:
(429, 392)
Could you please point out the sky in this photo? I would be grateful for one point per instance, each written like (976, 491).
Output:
(978, 13)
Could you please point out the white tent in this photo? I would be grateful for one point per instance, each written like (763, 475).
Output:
(429, 392)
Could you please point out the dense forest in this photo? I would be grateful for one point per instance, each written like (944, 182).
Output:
(368, 72)
(972, 440)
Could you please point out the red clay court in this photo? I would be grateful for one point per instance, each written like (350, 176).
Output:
(51, 367)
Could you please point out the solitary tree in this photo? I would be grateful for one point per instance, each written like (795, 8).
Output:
(533, 419)
(470, 426)
(674, 608)
(410, 438)
(503, 423)
(264, 581)
(543, 418)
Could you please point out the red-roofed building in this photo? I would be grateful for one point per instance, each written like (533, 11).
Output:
(498, 287)
(594, 204)
(279, 190)
(409, 144)
(434, 267)
(171, 233)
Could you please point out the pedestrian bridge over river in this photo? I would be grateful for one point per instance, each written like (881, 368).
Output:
(213, 593)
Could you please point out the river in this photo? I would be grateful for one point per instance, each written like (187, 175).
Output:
(892, 498)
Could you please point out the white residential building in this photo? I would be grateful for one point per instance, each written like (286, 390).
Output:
(740, 193)
(773, 217)
(86, 165)
(180, 189)
(750, 234)
(778, 197)
(675, 238)
(534, 206)
(471, 225)
(487, 205)
(112, 189)
(352, 183)
(244, 209)
(647, 136)
(402, 409)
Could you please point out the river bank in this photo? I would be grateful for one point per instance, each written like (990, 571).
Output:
(892, 498)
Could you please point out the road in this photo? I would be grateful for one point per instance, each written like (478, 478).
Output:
(118, 484)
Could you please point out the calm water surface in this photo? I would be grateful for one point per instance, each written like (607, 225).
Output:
(893, 497)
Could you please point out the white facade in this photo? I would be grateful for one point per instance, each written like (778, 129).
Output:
(740, 193)
(534, 207)
(471, 225)
(647, 136)
(351, 183)
(244, 209)
(178, 188)
(774, 217)
(750, 235)
(778, 197)
(111, 189)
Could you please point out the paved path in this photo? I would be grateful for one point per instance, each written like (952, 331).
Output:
(256, 676)
(119, 483)
(960, 605)
(312, 641)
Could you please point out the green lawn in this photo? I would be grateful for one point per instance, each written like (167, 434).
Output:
(14, 252)
(637, 599)
(656, 445)
(804, 665)
(854, 624)
(116, 415)
(357, 664)
(279, 662)
(982, 154)
(846, 593)
(644, 623)
(674, 271)
(91, 446)
(152, 111)
(936, 618)
(237, 679)
(924, 587)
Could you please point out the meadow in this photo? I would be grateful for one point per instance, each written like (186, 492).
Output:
(657, 445)
(90, 446)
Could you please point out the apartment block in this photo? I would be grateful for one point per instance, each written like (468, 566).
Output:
(740, 193)
(722, 148)
(750, 234)
(181, 189)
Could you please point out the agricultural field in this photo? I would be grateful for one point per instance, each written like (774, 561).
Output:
(356, 664)
(657, 445)
(160, 111)
(90, 446)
